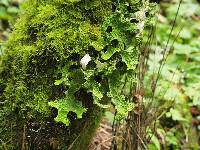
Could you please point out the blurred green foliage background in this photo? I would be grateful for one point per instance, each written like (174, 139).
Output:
(8, 14)
(177, 97)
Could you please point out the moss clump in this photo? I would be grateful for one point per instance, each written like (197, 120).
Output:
(41, 77)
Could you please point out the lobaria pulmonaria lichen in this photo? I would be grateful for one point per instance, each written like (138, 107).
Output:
(43, 76)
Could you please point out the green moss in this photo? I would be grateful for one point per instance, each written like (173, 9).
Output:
(40, 67)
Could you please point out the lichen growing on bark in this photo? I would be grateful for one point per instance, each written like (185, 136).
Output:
(41, 77)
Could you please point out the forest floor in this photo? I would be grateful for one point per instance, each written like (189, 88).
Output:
(103, 137)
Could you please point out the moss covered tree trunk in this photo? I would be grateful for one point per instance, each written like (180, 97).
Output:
(65, 62)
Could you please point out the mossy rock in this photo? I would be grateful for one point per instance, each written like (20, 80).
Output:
(47, 98)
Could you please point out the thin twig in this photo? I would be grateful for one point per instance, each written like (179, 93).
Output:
(165, 49)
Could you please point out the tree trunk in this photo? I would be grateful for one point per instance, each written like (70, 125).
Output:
(40, 67)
